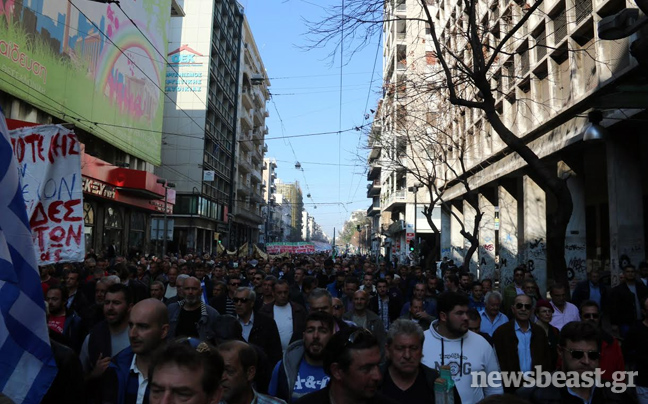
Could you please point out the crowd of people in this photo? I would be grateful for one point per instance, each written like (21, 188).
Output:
(314, 329)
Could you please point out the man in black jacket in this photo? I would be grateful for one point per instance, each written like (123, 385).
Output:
(386, 303)
(258, 329)
(580, 344)
(625, 306)
(591, 289)
(406, 379)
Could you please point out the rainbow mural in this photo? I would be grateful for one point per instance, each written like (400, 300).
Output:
(92, 67)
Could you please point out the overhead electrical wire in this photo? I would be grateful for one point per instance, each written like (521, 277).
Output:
(141, 70)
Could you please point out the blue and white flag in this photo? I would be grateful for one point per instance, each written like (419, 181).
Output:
(27, 366)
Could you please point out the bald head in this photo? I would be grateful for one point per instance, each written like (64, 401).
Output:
(152, 309)
(148, 326)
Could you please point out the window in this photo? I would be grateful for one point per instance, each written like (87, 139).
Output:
(137, 231)
(113, 226)
(89, 222)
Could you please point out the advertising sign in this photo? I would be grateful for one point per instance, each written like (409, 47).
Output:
(292, 248)
(91, 65)
(49, 159)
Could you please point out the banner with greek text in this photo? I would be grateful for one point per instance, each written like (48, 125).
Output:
(49, 165)
(292, 248)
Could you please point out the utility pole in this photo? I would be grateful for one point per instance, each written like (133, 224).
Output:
(166, 186)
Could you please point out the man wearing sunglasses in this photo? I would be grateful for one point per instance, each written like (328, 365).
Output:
(351, 359)
(611, 355)
(258, 329)
(520, 344)
(579, 351)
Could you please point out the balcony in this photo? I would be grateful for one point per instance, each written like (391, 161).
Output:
(256, 175)
(248, 212)
(245, 165)
(259, 116)
(246, 120)
(393, 200)
(373, 189)
(243, 188)
(374, 209)
(245, 140)
(246, 97)
(373, 173)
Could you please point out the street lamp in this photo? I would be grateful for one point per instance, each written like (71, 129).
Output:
(166, 186)
(414, 188)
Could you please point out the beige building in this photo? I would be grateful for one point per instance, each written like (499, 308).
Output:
(546, 81)
(250, 189)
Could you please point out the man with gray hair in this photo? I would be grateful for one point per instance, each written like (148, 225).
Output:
(492, 317)
(179, 289)
(258, 329)
(94, 314)
(191, 317)
(406, 379)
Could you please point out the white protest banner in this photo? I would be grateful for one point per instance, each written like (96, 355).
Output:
(49, 165)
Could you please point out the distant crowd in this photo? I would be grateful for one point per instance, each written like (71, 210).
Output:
(311, 329)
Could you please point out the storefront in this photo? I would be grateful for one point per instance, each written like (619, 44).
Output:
(118, 205)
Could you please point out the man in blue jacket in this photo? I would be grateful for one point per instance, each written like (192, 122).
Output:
(302, 371)
(126, 379)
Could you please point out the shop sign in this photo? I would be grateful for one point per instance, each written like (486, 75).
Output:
(98, 188)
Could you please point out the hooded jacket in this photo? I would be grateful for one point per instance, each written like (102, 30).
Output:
(287, 370)
(469, 353)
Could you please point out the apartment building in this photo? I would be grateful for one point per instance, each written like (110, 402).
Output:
(200, 122)
(398, 160)
(551, 80)
(250, 189)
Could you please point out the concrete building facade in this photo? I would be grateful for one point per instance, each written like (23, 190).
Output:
(199, 147)
(250, 148)
(546, 81)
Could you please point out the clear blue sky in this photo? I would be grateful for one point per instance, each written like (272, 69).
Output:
(306, 99)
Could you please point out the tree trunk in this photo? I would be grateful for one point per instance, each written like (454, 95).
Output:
(548, 180)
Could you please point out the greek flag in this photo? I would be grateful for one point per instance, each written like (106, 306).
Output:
(27, 366)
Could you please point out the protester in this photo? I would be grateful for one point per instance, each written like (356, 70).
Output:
(611, 355)
(126, 379)
(240, 361)
(579, 352)
(521, 345)
(512, 290)
(62, 321)
(365, 318)
(109, 336)
(625, 298)
(302, 371)
(406, 379)
(187, 373)
(474, 324)
(448, 342)
(492, 317)
(351, 359)
(289, 317)
(386, 303)
(257, 328)
(191, 317)
(544, 313)
(591, 289)
(564, 312)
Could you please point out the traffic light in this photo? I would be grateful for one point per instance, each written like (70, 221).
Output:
(411, 245)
